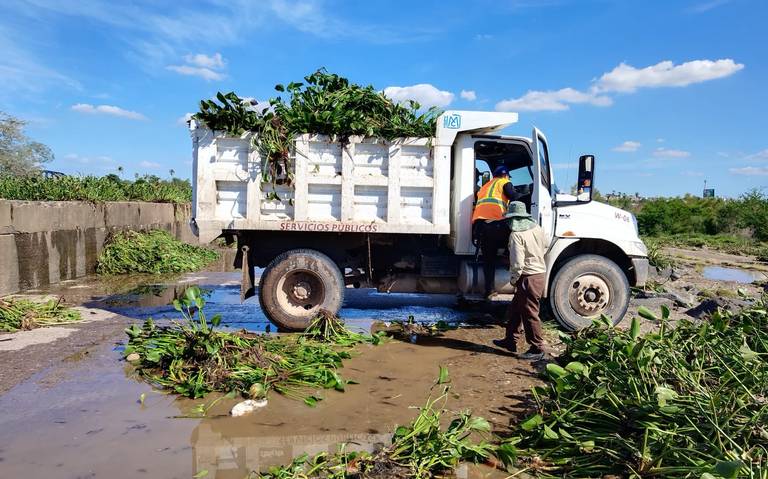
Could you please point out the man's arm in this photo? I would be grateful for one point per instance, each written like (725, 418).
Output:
(510, 193)
(516, 257)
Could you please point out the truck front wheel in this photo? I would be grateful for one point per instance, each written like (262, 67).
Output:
(296, 285)
(585, 287)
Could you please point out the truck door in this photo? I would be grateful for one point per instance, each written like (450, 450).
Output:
(541, 200)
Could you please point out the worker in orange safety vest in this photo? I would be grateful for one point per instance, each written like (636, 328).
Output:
(490, 230)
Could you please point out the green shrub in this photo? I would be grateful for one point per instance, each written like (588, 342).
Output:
(95, 188)
(151, 252)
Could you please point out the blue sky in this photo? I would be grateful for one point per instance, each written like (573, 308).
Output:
(666, 94)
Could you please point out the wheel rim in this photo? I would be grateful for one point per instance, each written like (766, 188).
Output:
(589, 295)
(300, 292)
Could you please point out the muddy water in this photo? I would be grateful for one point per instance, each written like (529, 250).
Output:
(83, 417)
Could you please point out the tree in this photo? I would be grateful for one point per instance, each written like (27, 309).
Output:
(19, 155)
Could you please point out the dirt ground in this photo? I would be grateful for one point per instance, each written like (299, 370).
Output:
(72, 408)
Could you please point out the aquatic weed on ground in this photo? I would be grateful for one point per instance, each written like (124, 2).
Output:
(151, 252)
(21, 314)
(193, 358)
(685, 402)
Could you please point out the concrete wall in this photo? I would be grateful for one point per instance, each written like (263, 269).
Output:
(44, 242)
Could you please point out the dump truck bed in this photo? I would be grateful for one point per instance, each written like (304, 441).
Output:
(369, 185)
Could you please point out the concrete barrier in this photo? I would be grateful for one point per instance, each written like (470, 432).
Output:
(44, 242)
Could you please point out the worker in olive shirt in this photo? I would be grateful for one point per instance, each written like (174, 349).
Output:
(489, 228)
(527, 246)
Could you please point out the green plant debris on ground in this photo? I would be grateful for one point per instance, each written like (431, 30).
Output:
(327, 327)
(35, 187)
(193, 358)
(683, 402)
(325, 104)
(21, 314)
(151, 252)
(423, 449)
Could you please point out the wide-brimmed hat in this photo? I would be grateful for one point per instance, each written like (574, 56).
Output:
(516, 209)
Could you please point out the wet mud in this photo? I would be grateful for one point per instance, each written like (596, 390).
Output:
(82, 416)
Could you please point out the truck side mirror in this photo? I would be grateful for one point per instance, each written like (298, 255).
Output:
(585, 183)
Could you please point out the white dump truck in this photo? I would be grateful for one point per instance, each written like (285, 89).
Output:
(395, 215)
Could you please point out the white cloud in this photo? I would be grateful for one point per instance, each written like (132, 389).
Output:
(424, 93)
(204, 73)
(750, 171)
(102, 160)
(552, 100)
(107, 110)
(184, 119)
(759, 156)
(670, 153)
(626, 78)
(692, 173)
(215, 61)
(628, 147)
(483, 36)
(660, 140)
(149, 164)
(468, 95)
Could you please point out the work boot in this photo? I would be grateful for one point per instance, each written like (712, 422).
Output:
(506, 344)
(533, 354)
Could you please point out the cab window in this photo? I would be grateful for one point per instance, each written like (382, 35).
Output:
(544, 164)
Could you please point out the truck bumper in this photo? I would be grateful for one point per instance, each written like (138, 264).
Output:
(640, 266)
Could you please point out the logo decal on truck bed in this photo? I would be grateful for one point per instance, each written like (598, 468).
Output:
(452, 121)
(328, 227)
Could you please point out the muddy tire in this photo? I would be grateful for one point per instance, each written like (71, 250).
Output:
(585, 287)
(296, 285)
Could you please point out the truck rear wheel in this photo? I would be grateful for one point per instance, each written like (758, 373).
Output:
(296, 285)
(586, 287)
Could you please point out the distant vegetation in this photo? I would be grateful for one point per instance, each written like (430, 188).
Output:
(151, 252)
(738, 226)
(19, 155)
(94, 188)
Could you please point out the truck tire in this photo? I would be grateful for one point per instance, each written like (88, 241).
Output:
(585, 287)
(296, 285)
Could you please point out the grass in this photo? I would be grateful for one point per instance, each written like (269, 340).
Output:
(22, 314)
(151, 252)
(95, 188)
(726, 243)
(682, 402)
(192, 358)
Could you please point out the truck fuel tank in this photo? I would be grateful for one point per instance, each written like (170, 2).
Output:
(472, 279)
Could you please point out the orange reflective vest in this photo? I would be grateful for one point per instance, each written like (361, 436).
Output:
(491, 202)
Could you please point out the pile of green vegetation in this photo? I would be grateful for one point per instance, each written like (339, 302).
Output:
(721, 242)
(21, 314)
(691, 401)
(424, 449)
(193, 358)
(152, 252)
(326, 104)
(36, 187)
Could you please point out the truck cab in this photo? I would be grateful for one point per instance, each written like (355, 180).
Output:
(396, 216)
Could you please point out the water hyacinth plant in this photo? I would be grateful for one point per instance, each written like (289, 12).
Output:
(192, 357)
(325, 103)
(152, 252)
(21, 314)
(689, 401)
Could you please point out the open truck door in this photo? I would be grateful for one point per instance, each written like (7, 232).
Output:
(541, 199)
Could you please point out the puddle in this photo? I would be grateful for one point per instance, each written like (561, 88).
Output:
(222, 295)
(84, 419)
(720, 273)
